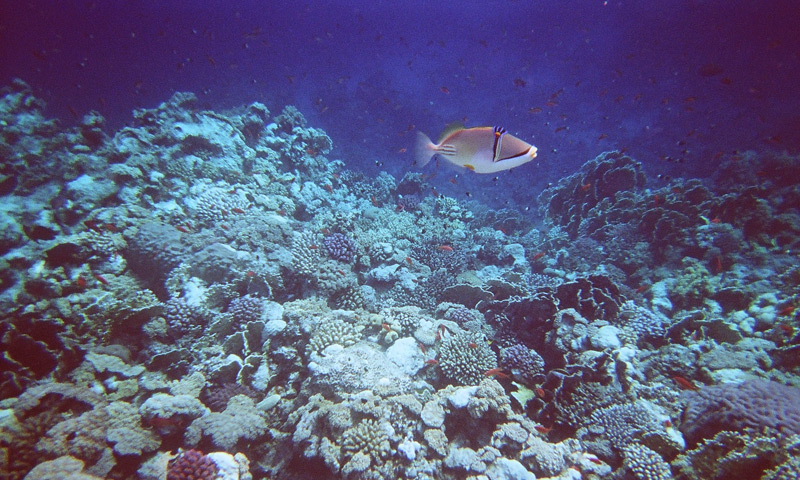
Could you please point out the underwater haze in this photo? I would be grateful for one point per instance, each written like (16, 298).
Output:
(399, 240)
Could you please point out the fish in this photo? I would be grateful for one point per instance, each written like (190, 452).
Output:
(495, 372)
(480, 149)
(684, 384)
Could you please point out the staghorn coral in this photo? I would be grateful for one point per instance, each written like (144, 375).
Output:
(465, 357)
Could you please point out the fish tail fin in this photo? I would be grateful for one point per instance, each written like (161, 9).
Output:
(424, 150)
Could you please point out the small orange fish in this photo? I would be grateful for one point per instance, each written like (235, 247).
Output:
(445, 248)
(473, 345)
(543, 429)
(716, 220)
(586, 186)
(495, 372)
(250, 274)
(402, 150)
(313, 247)
(237, 210)
(539, 392)
(787, 329)
(100, 278)
(537, 256)
(181, 228)
(785, 311)
(329, 187)
(386, 327)
(432, 361)
(718, 264)
(643, 288)
(375, 202)
(535, 110)
(602, 136)
(667, 423)
(80, 281)
(422, 347)
(445, 90)
(409, 260)
(684, 383)
(341, 272)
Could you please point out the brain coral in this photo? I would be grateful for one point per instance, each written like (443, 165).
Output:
(750, 404)
(465, 357)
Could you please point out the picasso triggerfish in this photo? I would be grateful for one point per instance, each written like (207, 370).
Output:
(480, 149)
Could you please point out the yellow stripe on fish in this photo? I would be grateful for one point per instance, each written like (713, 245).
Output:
(480, 149)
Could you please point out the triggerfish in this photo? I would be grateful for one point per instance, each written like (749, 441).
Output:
(480, 149)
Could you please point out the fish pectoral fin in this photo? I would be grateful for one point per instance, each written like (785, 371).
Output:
(446, 149)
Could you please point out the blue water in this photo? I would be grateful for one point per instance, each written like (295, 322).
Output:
(677, 84)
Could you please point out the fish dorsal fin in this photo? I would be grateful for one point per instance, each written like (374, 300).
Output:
(449, 129)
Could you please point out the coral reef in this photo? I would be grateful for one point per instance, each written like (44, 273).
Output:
(201, 281)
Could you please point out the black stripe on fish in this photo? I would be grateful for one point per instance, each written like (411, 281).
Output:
(524, 152)
(498, 143)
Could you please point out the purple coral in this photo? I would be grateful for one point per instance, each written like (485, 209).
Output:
(191, 465)
(340, 247)
(753, 404)
(461, 315)
(183, 319)
(525, 364)
(246, 309)
(409, 202)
